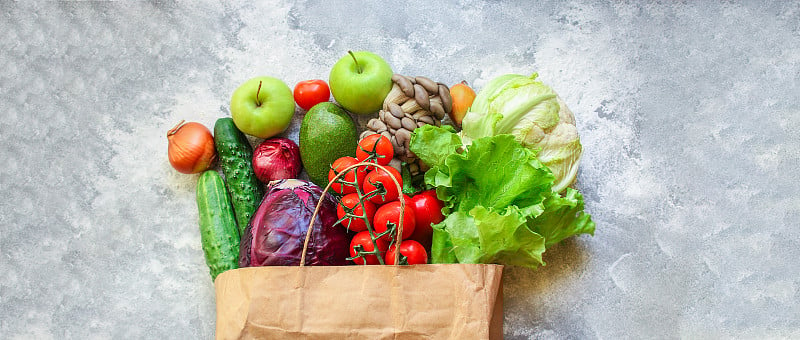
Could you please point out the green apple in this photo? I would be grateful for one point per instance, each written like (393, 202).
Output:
(262, 107)
(360, 82)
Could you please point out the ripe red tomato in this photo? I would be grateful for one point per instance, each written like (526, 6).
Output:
(350, 203)
(413, 251)
(431, 192)
(427, 211)
(363, 240)
(341, 164)
(377, 145)
(383, 179)
(390, 213)
(308, 93)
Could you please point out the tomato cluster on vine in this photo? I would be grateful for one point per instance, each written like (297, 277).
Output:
(370, 206)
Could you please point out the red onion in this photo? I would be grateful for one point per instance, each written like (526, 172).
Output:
(276, 158)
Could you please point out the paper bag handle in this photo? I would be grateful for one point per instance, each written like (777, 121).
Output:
(322, 199)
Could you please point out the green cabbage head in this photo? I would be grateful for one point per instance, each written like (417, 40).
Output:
(537, 118)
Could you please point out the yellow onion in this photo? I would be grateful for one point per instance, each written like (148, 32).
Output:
(191, 147)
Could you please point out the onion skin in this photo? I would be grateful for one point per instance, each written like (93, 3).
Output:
(191, 148)
(275, 159)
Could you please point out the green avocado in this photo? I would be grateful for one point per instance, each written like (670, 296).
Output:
(326, 134)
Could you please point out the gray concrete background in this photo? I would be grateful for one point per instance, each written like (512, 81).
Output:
(688, 115)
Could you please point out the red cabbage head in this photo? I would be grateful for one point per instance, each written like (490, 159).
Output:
(277, 230)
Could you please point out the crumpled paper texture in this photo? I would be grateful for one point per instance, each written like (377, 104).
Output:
(437, 301)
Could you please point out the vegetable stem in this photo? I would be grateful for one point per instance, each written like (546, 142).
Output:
(176, 128)
(361, 198)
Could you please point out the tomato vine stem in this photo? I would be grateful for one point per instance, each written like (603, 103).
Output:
(391, 228)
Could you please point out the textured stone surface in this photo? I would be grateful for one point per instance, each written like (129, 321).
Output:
(688, 115)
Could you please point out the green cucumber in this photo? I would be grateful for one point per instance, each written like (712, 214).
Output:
(236, 161)
(218, 232)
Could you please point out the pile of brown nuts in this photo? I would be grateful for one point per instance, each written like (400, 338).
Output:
(412, 102)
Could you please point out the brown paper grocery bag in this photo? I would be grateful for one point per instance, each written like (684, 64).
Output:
(435, 301)
(432, 301)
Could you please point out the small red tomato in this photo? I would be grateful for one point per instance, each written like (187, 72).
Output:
(413, 252)
(390, 213)
(427, 211)
(363, 243)
(341, 164)
(377, 179)
(377, 146)
(431, 192)
(351, 203)
(308, 93)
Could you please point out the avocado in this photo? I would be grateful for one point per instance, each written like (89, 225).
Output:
(326, 134)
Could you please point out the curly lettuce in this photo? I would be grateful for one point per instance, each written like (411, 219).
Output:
(498, 199)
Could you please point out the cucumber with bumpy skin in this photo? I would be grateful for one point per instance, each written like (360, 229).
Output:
(218, 232)
(236, 160)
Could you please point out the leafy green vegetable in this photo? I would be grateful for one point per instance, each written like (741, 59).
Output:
(438, 150)
(499, 200)
(563, 217)
(534, 114)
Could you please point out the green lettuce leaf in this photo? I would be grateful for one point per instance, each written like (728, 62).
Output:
(499, 200)
(438, 145)
(563, 217)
